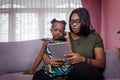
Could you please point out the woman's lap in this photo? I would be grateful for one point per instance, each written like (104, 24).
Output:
(84, 71)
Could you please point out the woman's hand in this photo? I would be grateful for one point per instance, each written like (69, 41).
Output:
(74, 58)
(66, 35)
(56, 62)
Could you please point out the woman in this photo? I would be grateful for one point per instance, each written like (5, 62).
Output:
(88, 57)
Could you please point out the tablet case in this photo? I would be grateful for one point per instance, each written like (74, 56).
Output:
(59, 49)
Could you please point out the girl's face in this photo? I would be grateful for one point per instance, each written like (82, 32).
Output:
(75, 23)
(57, 30)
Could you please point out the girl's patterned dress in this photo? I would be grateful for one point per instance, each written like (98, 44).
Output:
(55, 71)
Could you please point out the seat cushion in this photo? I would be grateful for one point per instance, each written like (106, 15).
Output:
(112, 79)
(15, 76)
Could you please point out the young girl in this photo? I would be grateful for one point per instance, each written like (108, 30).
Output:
(58, 32)
(53, 68)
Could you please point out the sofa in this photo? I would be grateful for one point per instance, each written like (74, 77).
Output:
(17, 57)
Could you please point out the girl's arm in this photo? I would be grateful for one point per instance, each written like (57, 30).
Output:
(55, 62)
(38, 59)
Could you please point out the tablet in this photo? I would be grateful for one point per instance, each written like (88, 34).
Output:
(59, 49)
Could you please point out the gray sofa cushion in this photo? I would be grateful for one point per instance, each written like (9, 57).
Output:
(112, 79)
(16, 76)
(112, 70)
(18, 56)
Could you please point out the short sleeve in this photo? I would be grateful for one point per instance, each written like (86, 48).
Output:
(99, 41)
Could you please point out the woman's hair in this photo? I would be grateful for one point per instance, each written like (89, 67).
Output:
(85, 21)
(62, 21)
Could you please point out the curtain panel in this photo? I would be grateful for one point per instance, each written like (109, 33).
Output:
(94, 8)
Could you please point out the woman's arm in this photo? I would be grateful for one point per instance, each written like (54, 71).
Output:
(98, 62)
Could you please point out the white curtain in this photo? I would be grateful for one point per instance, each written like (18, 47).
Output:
(30, 19)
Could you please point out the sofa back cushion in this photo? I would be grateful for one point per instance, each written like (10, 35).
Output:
(112, 69)
(18, 56)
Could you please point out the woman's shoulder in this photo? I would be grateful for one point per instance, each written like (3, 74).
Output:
(94, 35)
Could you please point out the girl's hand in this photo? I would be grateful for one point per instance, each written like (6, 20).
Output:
(28, 72)
(56, 62)
(74, 58)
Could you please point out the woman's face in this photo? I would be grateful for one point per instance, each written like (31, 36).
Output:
(57, 30)
(75, 23)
